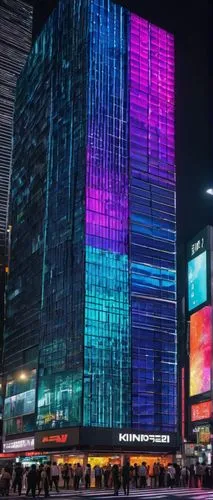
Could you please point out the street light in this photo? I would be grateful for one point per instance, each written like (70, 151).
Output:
(23, 376)
(210, 191)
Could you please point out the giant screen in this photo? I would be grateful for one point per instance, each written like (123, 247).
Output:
(200, 351)
(197, 281)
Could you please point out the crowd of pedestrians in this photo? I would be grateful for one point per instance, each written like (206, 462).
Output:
(42, 479)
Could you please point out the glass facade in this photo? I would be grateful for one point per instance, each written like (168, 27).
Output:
(107, 352)
(19, 403)
(152, 226)
(93, 215)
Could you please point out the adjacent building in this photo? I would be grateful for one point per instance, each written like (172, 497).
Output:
(196, 357)
(15, 43)
(90, 341)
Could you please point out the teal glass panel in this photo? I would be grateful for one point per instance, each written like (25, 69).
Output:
(197, 281)
(59, 401)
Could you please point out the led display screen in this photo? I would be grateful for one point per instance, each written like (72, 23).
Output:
(200, 351)
(197, 281)
(201, 411)
(20, 404)
(56, 407)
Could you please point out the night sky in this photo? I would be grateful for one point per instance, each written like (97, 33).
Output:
(192, 27)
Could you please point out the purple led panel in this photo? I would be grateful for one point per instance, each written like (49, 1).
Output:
(152, 214)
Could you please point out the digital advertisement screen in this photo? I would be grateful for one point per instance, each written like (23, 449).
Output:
(197, 281)
(21, 404)
(201, 411)
(200, 351)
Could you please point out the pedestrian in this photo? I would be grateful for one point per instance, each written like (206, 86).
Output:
(162, 476)
(116, 479)
(192, 476)
(156, 474)
(65, 476)
(5, 482)
(71, 476)
(126, 477)
(32, 480)
(177, 475)
(98, 476)
(206, 477)
(24, 479)
(47, 466)
(77, 476)
(39, 480)
(87, 476)
(18, 478)
(135, 475)
(184, 477)
(171, 476)
(199, 470)
(55, 474)
(106, 476)
(45, 481)
(142, 475)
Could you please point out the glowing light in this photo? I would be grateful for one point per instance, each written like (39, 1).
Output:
(201, 411)
(200, 351)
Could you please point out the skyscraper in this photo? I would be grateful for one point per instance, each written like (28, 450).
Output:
(15, 43)
(92, 289)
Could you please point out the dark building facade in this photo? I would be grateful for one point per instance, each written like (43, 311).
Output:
(15, 44)
(91, 307)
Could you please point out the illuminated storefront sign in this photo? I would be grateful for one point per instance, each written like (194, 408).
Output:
(197, 281)
(201, 411)
(85, 437)
(143, 438)
(25, 444)
(58, 438)
(200, 351)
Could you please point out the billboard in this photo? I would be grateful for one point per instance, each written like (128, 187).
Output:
(20, 404)
(197, 281)
(200, 351)
(201, 411)
(24, 444)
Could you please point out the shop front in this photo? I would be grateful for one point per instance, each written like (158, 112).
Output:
(201, 449)
(98, 447)
(94, 445)
(106, 446)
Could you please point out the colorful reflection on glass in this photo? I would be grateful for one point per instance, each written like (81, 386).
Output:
(107, 339)
(200, 351)
(197, 281)
(152, 224)
(201, 411)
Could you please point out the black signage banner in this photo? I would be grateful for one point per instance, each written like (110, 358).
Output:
(137, 439)
(57, 439)
(126, 439)
(103, 438)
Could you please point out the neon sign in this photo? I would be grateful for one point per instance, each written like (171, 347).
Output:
(143, 438)
(58, 438)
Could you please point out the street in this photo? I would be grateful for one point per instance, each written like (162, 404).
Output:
(148, 494)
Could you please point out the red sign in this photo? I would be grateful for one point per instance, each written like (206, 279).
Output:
(58, 438)
(183, 403)
(201, 411)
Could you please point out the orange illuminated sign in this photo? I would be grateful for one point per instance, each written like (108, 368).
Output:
(57, 438)
(201, 411)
